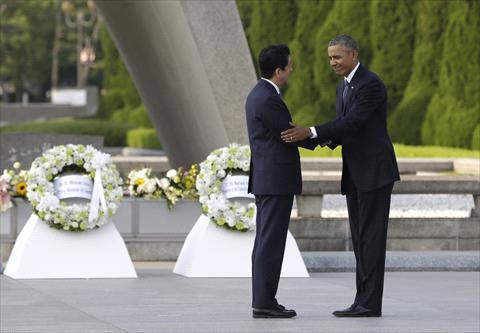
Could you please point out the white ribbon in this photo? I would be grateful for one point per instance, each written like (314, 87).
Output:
(98, 197)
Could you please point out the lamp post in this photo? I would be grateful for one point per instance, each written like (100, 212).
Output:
(79, 19)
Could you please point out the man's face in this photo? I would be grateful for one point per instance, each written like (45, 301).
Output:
(342, 60)
(284, 74)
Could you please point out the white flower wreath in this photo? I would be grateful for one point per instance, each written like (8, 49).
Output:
(233, 159)
(76, 159)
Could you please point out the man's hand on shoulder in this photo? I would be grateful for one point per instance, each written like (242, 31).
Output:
(296, 133)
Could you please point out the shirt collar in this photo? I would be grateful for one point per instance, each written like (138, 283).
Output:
(352, 73)
(273, 84)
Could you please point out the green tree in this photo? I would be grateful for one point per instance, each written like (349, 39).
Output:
(349, 17)
(454, 110)
(271, 22)
(406, 122)
(27, 31)
(301, 95)
(120, 100)
(392, 30)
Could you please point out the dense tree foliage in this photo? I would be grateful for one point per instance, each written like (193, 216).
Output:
(406, 122)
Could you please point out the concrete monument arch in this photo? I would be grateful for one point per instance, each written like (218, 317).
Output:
(191, 64)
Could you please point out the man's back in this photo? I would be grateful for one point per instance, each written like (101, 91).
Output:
(275, 166)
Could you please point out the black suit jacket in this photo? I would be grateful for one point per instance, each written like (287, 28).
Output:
(361, 128)
(275, 165)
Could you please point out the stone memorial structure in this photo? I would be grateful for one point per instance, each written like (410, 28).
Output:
(191, 64)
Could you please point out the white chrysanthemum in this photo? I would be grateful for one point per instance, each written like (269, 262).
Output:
(172, 173)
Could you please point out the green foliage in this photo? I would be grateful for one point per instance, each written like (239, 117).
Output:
(406, 121)
(271, 22)
(136, 117)
(392, 30)
(245, 9)
(114, 134)
(454, 111)
(476, 138)
(143, 138)
(349, 17)
(26, 41)
(302, 95)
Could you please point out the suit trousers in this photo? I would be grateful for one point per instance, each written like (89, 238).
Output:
(273, 216)
(368, 214)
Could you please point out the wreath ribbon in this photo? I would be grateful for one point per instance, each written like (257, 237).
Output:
(98, 198)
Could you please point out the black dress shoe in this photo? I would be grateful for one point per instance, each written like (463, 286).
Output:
(356, 311)
(278, 312)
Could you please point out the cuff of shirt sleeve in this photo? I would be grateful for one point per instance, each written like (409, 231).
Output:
(314, 133)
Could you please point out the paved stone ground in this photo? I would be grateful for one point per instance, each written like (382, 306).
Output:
(159, 301)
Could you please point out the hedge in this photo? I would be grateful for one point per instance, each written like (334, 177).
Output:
(143, 138)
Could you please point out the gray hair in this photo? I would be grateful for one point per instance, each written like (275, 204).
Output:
(344, 40)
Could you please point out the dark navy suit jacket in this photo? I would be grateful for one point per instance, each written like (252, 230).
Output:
(361, 128)
(275, 165)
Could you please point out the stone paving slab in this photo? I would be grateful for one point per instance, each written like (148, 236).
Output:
(159, 301)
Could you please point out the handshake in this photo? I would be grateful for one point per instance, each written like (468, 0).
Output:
(298, 133)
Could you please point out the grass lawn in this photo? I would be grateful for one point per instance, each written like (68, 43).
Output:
(402, 151)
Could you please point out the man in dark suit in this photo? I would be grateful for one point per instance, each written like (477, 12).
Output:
(369, 168)
(275, 177)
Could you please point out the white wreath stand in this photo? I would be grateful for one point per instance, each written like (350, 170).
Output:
(213, 251)
(42, 252)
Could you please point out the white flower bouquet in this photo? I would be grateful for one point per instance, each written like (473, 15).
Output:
(175, 185)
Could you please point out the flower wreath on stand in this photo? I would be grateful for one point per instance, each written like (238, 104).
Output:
(231, 160)
(87, 162)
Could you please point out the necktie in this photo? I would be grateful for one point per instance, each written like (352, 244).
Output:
(345, 91)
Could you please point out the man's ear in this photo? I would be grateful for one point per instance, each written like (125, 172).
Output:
(355, 54)
(277, 71)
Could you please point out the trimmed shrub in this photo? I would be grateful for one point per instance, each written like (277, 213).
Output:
(114, 134)
(454, 111)
(346, 17)
(392, 30)
(406, 121)
(301, 95)
(143, 138)
(136, 117)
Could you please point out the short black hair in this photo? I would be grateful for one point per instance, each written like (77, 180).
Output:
(271, 58)
(346, 41)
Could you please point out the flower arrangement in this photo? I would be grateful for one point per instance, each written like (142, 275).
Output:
(175, 185)
(13, 183)
(221, 162)
(76, 159)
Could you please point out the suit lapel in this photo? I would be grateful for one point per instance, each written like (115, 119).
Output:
(339, 105)
(352, 86)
